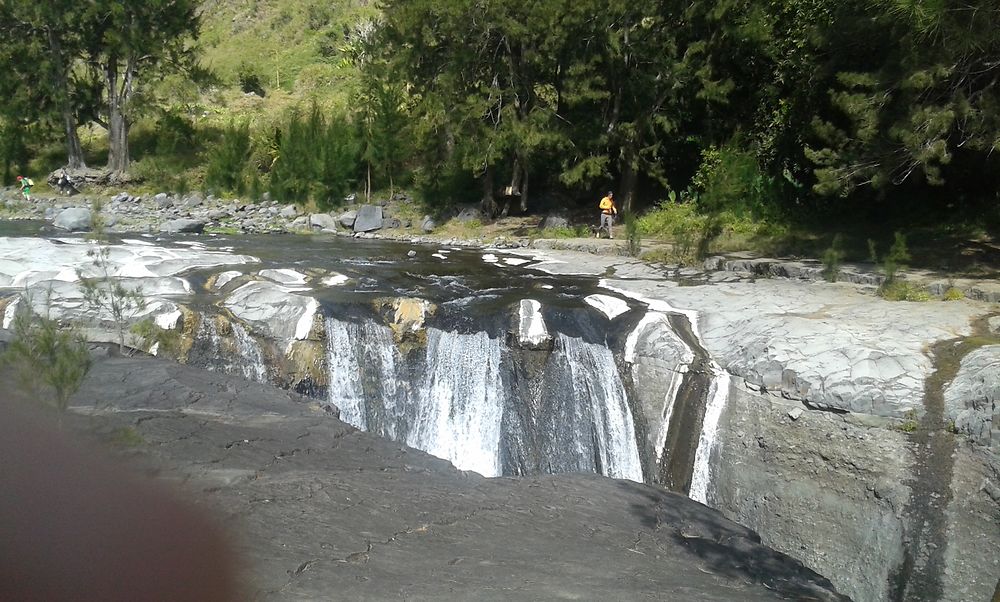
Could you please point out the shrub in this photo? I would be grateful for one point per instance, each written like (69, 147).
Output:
(43, 354)
(900, 290)
(229, 160)
(832, 258)
(318, 159)
(953, 294)
(154, 338)
(249, 80)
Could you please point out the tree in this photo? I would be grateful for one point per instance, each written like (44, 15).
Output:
(46, 356)
(41, 43)
(127, 41)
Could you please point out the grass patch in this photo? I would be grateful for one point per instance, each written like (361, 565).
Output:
(564, 232)
(126, 436)
(900, 290)
(223, 230)
(953, 294)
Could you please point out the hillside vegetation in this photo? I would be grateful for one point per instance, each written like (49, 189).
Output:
(730, 116)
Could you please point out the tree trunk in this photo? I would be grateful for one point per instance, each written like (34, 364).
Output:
(524, 191)
(119, 93)
(74, 150)
(626, 189)
(488, 207)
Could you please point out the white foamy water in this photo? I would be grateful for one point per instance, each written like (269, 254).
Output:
(596, 381)
(701, 477)
(461, 401)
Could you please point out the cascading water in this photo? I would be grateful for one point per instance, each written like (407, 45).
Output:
(461, 401)
(453, 410)
(596, 382)
(718, 396)
(245, 358)
(451, 398)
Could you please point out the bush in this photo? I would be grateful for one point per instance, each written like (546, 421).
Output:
(229, 160)
(174, 134)
(900, 290)
(953, 294)
(832, 258)
(249, 80)
(633, 237)
(43, 354)
(318, 159)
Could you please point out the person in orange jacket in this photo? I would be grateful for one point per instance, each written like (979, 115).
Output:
(608, 214)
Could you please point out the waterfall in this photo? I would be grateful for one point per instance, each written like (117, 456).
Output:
(596, 382)
(461, 401)
(239, 355)
(452, 409)
(362, 371)
(252, 365)
(717, 398)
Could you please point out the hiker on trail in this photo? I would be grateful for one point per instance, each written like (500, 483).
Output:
(608, 213)
(25, 185)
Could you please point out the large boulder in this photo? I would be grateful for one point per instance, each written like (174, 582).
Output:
(176, 226)
(369, 218)
(348, 218)
(74, 219)
(468, 214)
(289, 211)
(273, 310)
(554, 221)
(163, 200)
(972, 400)
(323, 221)
(428, 225)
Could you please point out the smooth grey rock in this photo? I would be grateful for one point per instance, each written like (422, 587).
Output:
(348, 218)
(299, 223)
(428, 225)
(217, 214)
(795, 413)
(323, 221)
(74, 219)
(554, 221)
(369, 218)
(182, 225)
(391, 224)
(163, 201)
(273, 310)
(411, 253)
(314, 500)
(289, 211)
(972, 400)
(468, 214)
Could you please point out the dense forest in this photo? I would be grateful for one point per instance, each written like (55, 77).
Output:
(773, 110)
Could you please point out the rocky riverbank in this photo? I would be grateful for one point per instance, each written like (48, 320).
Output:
(318, 509)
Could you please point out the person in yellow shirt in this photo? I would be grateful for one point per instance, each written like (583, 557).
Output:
(608, 213)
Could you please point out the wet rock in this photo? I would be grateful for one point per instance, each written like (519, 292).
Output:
(369, 218)
(182, 225)
(273, 310)
(411, 254)
(75, 219)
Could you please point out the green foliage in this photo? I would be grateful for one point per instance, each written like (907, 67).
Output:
(249, 80)
(318, 159)
(228, 162)
(127, 436)
(48, 359)
(565, 232)
(103, 291)
(895, 259)
(832, 258)
(953, 294)
(679, 223)
(901, 290)
(166, 343)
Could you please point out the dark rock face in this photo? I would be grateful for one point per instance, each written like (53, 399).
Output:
(320, 509)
